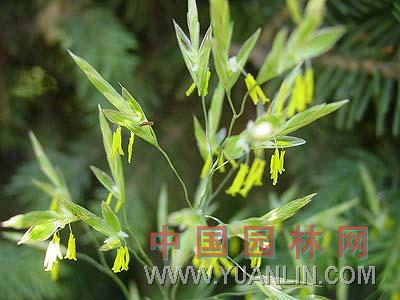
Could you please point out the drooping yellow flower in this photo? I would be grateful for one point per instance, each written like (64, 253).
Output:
(233, 163)
(206, 167)
(238, 181)
(255, 91)
(259, 172)
(254, 178)
(116, 146)
(303, 92)
(53, 253)
(276, 165)
(121, 262)
(55, 271)
(130, 146)
(125, 265)
(255, 262)
(298, 98)
(212, 265)
(71, 250)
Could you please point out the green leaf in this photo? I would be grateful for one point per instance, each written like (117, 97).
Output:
(274, 63)
(275, 216)
(162, 211)
(110, 217)
(370, 189)
(294, 9)
(101, 84)
(313, 17)
(221, 25)
(214, 113)
(39, 232)
(321, 41)
(308, 116)
(244, 54)
(286, 211)
(45, 163)
(90, 218)
(281, 142)
(106, 181)
(114, 162)
(125, 120)
(110, 243)
(31, 219)
(201, 139)
(273, 292)
(233, 149)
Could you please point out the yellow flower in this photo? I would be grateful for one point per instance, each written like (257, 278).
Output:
(256, 93)
(71, 250)
(303, 93)
(53, 253)
(55, 271)
(276, 165)
(256, 262)
(130, 146)
(212, 265)
(254, 177)
(238, 181)
(121, 261)
(117, 143)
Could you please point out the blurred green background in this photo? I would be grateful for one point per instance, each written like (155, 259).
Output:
(353, 154)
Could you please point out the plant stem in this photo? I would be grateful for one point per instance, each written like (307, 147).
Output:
(177, 175)
(203, 104)
(228, 95)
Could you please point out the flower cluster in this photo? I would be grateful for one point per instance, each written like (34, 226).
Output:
(116, 146)
(121, 261)
(53, 252)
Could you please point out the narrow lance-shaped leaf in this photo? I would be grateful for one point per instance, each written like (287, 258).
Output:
(201, 139)
(320, 42)
(39, 232)
(214, 113)
(125, 120)
(110, 217)
(275, 216)
(31, 219)
(274, 63)
(114, 162)
(106, 181)
(45, 163)
(101, 84)
(308, 116)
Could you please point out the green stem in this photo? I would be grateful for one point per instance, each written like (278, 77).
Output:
(228, 95)
(177, 175)
(203, 104)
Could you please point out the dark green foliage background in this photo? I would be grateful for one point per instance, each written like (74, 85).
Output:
(133, 42)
